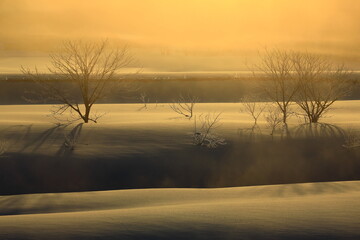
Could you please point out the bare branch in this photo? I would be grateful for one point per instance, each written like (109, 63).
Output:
(184, 105)
(252, 106)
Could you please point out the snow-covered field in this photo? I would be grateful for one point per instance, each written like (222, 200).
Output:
(153, 147)
(295, 211)
(124, 128)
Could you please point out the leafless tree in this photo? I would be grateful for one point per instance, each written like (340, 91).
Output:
(184, 105)
(280, 85)
(204, 126)
(90, 66)
(320, 84)
(252, 106)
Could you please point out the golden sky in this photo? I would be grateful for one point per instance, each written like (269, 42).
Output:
(186, 35)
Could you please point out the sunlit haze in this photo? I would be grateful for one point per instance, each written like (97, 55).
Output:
(177, 36)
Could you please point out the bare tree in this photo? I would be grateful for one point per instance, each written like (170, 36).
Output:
(203, 131)
(91, 67)
(184, 105)
(252, 106)
(280, 85)
(320, 84)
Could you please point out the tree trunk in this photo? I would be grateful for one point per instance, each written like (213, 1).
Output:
(314, 119)
(284, 116)
(87, 114)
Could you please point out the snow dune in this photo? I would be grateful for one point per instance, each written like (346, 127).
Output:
(293, 211)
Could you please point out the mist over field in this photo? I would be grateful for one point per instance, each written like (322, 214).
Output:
(198, 35)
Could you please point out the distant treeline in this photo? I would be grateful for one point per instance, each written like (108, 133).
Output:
(16, 90)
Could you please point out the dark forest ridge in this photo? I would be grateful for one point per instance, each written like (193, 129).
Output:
(158, 88)
(196, 75)
(201, 75)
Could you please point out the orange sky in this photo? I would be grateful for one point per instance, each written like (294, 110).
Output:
(198, 35)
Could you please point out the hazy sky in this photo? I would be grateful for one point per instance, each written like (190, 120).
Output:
(186, 35)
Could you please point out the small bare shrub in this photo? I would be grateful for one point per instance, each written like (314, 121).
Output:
(253, 107)
(203, 131)
(184, 105)
(3, 147)
(70, 142)
(273, 118)
(71, 139)
(144, 100)
(352, 139)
